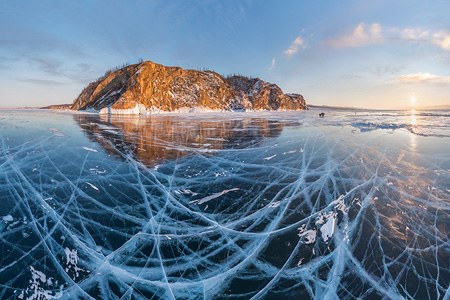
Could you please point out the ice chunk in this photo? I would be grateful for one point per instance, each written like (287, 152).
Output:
(274, 204)
(327, 229)
(8, 218)
(92, 186)
(213, 196)
(186, 192)
(289, 152)
(89, 149)
(269, 157)
(308, 235)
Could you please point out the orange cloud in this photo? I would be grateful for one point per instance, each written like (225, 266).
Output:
(442, 39)
(420, 77)
(360, 36)
(374, 33)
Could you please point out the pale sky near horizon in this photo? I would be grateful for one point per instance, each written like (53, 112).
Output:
(375, 54)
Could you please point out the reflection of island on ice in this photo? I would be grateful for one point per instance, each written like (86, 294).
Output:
(160, 138)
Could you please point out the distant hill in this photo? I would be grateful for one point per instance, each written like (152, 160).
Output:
(335, 107)
(58, 106)
(151, 87)
(435, 107)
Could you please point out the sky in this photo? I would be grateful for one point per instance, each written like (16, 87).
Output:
(374, 54)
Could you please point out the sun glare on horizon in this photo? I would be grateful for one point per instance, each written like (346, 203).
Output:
(413, 101)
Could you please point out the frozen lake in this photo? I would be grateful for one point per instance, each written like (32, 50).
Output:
(279, 205)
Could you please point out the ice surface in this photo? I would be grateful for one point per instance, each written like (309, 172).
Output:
(255, 205)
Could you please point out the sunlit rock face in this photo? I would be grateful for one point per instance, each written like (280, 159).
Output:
(254, 93)
(149, 87)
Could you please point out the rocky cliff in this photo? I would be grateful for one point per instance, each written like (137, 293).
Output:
(149, 87)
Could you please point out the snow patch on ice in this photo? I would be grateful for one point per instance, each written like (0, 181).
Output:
(289, 152)
(8, 218)
(186, 192)
(269, 157)
(40, 287)
(72, 262)
(213, 196)
(89, 149)
(308, 235)
(274, 204)
(92, 186)
(141, 109)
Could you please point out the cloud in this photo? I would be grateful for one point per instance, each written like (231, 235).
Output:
(41, 81)
(381, 71)
(351, 76)
(412, 34)
(46, 53)
(360, 36)
(420, 78)
(3, 64)
(79, 72)
(272, 64)
(298, 43)
(374, 33)
(47, 65)
(442, 39)
(31, 42)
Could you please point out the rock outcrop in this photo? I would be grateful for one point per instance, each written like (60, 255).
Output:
(149, 87)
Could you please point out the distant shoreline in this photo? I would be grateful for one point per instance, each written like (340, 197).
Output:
(63, 107)
(429, 108)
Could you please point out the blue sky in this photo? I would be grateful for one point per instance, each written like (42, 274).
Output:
(377, 54)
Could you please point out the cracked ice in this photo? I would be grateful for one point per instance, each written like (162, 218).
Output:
(132, 208)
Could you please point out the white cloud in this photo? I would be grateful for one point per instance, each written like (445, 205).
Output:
(374, 33)
(360, 36)
(298, 43)
(420, 77)
(442, 39)
(439, 38)
(272, 64)
(413, 34)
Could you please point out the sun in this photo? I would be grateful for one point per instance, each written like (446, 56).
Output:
(413, 101)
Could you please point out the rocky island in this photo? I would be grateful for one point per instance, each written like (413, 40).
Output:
(148, 87)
